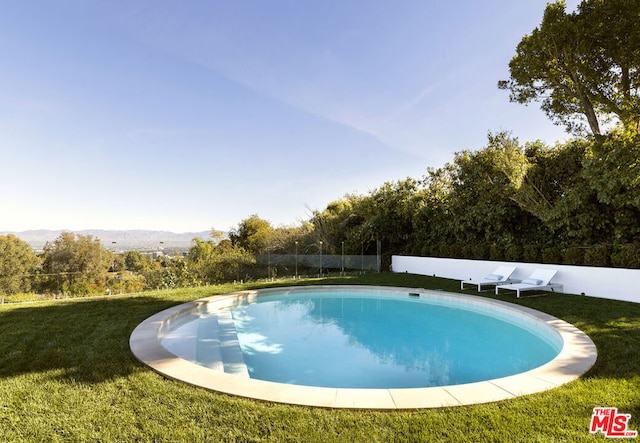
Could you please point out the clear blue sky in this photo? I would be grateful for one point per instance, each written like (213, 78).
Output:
(192, 115)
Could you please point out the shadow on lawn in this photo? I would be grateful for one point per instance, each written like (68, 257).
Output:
(82, 340)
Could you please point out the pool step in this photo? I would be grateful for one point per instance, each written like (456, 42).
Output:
(211, 341)
(232, 357)
(208, 352)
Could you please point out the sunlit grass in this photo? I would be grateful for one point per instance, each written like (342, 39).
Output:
(67, 374)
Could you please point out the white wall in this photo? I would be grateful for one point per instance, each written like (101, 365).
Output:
(614, 283)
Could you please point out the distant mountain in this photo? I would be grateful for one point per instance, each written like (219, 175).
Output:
(117, 240)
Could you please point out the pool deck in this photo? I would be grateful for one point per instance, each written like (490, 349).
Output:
(577, 356)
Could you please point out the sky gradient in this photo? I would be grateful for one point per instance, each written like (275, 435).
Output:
(187, 116)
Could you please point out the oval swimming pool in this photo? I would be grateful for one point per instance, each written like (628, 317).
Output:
(363, 340)
(370, 339)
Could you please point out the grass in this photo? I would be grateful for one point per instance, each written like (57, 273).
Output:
(66, 374)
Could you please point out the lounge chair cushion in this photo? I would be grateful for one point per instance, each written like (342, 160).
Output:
(532, 281)
(493, 277)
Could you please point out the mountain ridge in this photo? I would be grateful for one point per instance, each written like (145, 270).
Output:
(114, 238)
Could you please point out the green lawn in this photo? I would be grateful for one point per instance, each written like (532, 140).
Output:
(66, 374)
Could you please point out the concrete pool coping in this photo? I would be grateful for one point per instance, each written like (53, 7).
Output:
(577, 356)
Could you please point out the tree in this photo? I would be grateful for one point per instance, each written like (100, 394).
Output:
(176, 273)
(283, 238)
(218, 260)
(432, 225)
(254, 234)
(613, 27)
(76, 264)
(481, 201)
(556, 191)
(135, 261)
(340, 221)
(390, 215)
(17, 259)
(582, 66)
(386, 215)
(612, 170)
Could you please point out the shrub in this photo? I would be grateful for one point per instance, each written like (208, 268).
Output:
(573, 256)
(496, 253)
(626, 256)
(465, 251)
(431, 251)
(20, 297)
(513, 253)
(126, 281)
(461, 250)
(444, 251)
(455, 250)
(480, 252)
(552, 255)
(598, 255)
(531, 253)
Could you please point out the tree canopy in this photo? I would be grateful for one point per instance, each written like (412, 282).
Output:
(582, 66)
(253, 234)
(17, 259)
(78, 264)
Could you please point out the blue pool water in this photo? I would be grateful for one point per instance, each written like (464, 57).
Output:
(383, 340)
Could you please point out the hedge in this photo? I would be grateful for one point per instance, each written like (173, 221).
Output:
(619, 256)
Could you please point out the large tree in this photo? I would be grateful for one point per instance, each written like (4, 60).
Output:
(557, 193)
(76, 264)
(254, 235)
(17, 260)
(484, 183)
(582, 66)
(612, 170)
(390, 214)
(340, 222)
(135, 261)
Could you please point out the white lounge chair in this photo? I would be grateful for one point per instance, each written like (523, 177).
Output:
(498, 277)
(540, 279)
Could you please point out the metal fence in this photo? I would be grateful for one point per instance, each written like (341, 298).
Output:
(317, 262)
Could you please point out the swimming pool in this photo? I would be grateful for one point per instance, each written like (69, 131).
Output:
(364, 347)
